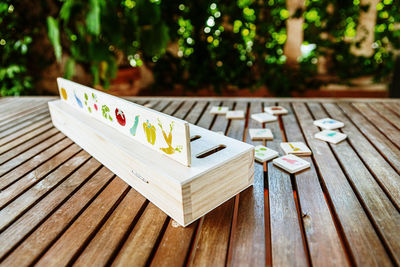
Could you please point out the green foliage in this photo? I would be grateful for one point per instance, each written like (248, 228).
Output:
(14, 47)
(238, 43)
(97, 32)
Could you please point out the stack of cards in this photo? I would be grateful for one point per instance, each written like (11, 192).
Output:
(219, 110)
(276, 110)
(263, 154)
(235, 115)
(291, 163)
(328, 124)
(330, 136)
(296, 148)
(263, 117)
(260, 134)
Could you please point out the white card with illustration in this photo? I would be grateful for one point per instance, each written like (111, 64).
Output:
(161, 132)
(291, 163)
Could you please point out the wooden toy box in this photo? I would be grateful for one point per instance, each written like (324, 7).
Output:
(183, 192)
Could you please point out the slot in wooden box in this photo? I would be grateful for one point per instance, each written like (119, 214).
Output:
(184, 193)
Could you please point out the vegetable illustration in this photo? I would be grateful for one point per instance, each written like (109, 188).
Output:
(106, 112)
(64, 94)
(78, 100)
(168, 139)
(95, 101)
(119, 114)
(150, 132)
(291, 161)
(86, 103)
(134, 127)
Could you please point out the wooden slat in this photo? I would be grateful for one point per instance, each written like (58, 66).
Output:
(18, 166)
(175, 243)
(107, 239)
(286, 238)
(140, 243)
(23, 124)
(393, 106)
(73, 239)
(24, 138)
(323, 240)
(366, 248)
(388, 178)
(386, 148)
(248, 243)
(386, 113)
(212, 240)
(381, 124)
(380, 209)
(18, 108)
(45, 234)
(36, 175)
(26, 145)
(29, 114)
(40, 210)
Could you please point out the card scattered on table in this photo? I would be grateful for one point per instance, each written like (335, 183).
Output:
(291, 163)
(263, 154)
(328, 124)
(260, 134)
(219, 110)
(263, 117)
(235, 115)
(330, 136)
(276, 110)
(296, 148)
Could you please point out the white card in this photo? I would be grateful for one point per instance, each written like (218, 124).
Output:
(330, 136)
(260, 134)
(263, 117)
(235, 114)
(219, 110)
(263, 154)
(328, 123)
(297, 148)
(291, 163)
(276, 110)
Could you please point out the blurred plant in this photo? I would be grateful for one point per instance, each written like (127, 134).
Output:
(14, 46)
(221, 43)
(97, 32)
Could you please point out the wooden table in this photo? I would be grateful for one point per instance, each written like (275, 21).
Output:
(59, 206)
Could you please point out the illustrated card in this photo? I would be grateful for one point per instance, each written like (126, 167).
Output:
(219, 110)
(263, 154)
(276, 110)
(260, 134)
(291, 163)
(158, 131)
(263, 117)
(330, 136)
(328, 123)
(296, 148)
(235, 115)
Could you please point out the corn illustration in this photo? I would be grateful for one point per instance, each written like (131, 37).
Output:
(168, 139)
(150, 132)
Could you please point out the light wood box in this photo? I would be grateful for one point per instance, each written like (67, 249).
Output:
(184, 193)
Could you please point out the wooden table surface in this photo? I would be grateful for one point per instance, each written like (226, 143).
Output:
(59, 206)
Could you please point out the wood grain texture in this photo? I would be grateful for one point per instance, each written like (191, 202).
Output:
(325, 246)
(380, 123)
(42, 237)
(23, 223)
(74, 238)
(387, 177)
(363, 241)
(383, 214)
(248, 242)
(386, 113)
(348, 200)
(384, 146)
(286, 237)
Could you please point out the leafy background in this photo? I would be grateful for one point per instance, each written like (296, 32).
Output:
(192, 44)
